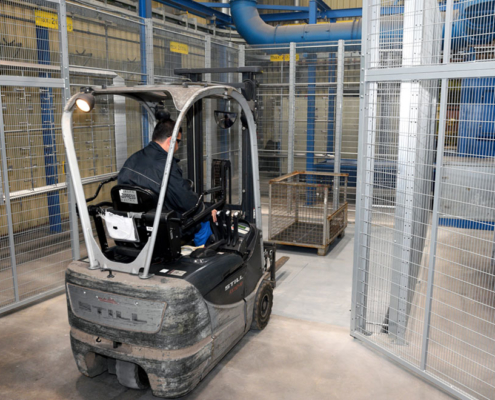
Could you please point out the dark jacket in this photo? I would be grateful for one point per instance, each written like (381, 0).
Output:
(145, 169)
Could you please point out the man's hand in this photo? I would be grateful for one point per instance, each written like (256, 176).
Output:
(214, 215)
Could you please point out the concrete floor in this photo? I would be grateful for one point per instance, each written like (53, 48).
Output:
(304, 353)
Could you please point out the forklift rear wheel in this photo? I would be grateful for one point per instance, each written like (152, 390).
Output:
(262, 306)
(131, 375)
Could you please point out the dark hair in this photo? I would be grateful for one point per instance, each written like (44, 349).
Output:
(165, 126)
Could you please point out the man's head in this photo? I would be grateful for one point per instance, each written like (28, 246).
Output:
(163, 134)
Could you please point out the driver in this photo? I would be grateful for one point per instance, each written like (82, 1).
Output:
(145, 168)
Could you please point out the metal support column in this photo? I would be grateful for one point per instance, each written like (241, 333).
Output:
(120, 122)
(64, 57)
(338, 124)
(150, 67)
(144, 9)
(365, 176)
(8, 208)
(438, 183)
(292, 108)
(313, 11)
(332, 69)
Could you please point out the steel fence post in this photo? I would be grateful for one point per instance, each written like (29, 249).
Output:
(365, 176)
(442, 119)
(64, 57)
(8, 208)
(292, 107)
(338, 124)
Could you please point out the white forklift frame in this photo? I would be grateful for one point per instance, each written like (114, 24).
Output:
(183, 95)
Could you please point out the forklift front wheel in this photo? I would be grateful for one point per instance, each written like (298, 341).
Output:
(262, 306)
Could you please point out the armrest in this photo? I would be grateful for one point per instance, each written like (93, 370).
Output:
(190, 212)
(206, 212)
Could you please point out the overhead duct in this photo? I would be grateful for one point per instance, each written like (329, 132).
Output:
(474, 24)
(254, 30)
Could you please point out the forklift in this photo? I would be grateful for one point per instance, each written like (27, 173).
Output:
(142, 305)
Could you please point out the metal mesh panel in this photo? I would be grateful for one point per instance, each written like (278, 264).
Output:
(462, 334)
(424, 275)
(7, 293)
(397, 27)
(224, 55)
(273, 112)
(174, 50)
(35, 163)
(399, 207)
(30, 44)
(315, 110)
(316, 88)
(101, 40)
(350, 123)
(473, 30)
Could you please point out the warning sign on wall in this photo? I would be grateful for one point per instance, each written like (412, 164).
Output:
(50, 20)
(282, 57)
(181, 48)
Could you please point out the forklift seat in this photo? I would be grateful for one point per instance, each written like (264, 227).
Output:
(133, 198)
(136, 206)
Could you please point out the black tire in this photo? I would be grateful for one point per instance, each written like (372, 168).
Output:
(341, 235)
(262, 306)
(131, 375)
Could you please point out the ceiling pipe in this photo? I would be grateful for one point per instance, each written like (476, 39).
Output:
(254, 30)
(474, 24)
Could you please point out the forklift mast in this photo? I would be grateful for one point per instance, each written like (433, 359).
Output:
(248, 88)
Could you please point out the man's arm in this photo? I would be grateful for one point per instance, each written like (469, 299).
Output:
(180, 195)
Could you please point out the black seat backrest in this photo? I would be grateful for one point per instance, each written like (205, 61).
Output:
(128, 198)
(133, 198)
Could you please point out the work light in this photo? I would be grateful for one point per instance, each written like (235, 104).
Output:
(85, 102)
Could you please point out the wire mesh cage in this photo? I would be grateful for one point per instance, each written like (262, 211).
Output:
(307, 209)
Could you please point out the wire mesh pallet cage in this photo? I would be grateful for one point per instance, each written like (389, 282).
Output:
(307, 209)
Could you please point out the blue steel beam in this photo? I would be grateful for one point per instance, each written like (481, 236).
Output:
(258, 6)
(313, 12)
(322, 5)
(48, 123)
(199, 9)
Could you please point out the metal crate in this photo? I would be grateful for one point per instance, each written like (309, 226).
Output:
(307, 209)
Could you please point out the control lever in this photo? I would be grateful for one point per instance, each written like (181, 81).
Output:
(228, 227)
(235, 233)
(220, 223)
